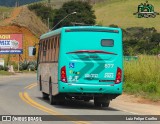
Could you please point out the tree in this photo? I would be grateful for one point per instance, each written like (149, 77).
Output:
(84, 14)
(44, 12)
(140, 40)
(113, 25)
(156, 38)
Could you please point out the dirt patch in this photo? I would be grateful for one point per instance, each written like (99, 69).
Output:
(27, 23)
(137, 99)
(136, 105)
(28, 19)
(22, 16)
(14, 14)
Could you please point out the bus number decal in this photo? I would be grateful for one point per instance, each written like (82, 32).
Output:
(91, 75)
(73, 78)
(109, 65)
(109, 75)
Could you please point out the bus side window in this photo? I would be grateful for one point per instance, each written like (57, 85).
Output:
(42, 43)
(57, 49)
(54, 47)
(49, 50)
(40, 52)
(44, 51)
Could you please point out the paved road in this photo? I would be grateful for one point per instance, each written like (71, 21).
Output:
(19, 95)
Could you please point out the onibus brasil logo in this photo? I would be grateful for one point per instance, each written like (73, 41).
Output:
(146, 10)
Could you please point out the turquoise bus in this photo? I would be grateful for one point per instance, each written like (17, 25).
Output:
(81, 62)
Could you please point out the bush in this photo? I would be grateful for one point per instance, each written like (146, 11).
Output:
(139, 40)
(32, 65)
(15, 65)
(6, 68)
(1, 67)
(151, 87)
(142, 76)
(23, 65)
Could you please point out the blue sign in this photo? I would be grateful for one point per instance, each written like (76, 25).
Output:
(16, 51)
(71, 65)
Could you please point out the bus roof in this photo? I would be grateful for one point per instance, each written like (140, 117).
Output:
(80, 28)
(51, 33)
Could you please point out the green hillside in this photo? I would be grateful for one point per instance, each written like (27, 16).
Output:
(5, 12)
(120, 12)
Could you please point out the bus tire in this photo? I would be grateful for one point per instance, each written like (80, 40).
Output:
(51, 97)
(40, 83)
(86, 99)
(97, 102)
(101, 102)
(45, 95)
(106, 103)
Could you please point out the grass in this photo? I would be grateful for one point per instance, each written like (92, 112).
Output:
(27, 71)
(142, 77)
(2, 72)
(120, 12)
(5, 12)
(5, 9)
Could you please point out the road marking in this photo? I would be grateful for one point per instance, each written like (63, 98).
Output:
(31, 86)
(25, 97)
(126, 111)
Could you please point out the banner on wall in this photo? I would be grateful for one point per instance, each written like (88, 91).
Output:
(11, 44)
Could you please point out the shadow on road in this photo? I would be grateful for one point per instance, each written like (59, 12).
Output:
(78, 104)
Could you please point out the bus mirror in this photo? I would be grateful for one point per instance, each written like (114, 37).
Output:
(34, 51)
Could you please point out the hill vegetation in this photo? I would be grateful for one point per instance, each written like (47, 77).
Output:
(83, 14)
(45, 13)
(5, 12)
(120, 12)
(139, 40)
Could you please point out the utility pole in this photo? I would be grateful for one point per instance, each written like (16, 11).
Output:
(48, 24)
(17, 3)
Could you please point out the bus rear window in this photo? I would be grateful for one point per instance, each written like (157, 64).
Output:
(107, 42)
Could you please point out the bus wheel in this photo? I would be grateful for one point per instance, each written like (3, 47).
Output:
(45, 95)
(40, 84)
(51, 97)
(86, 99)
(101, 102)
(106, 103)
(97, 102)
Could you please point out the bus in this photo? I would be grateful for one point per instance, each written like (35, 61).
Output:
(82, 63)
